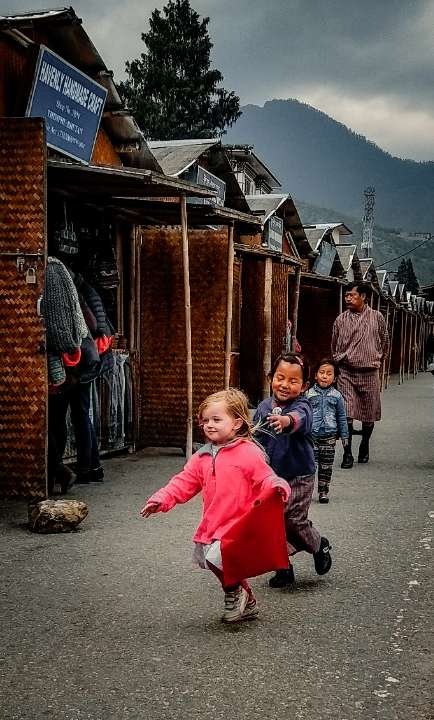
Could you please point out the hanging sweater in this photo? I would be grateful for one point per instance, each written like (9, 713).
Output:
(230, 478)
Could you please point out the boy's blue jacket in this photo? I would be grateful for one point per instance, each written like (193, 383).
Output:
(290, 452)
(329, 416)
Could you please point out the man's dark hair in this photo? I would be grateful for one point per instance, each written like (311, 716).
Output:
(361, 287)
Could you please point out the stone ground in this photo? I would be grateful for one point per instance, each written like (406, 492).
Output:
(112, 622)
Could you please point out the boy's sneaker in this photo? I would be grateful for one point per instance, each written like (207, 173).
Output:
(282, 578)
(322, 558)
(323, 497)
(251, 611)
(235, 604)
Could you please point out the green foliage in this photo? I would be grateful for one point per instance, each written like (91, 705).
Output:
(171, 89)
(407, 276)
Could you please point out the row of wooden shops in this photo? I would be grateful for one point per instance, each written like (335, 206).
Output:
(205, 269)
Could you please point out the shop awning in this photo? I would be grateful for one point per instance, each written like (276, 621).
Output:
(95, 182)
(157, 211)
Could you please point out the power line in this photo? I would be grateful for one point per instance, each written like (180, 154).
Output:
(404, 254)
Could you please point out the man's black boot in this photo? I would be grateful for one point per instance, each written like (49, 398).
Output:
(367, 430)
(348, 460)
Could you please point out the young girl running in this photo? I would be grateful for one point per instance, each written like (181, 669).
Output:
(329, 422)
(285, 434)
(231, 471)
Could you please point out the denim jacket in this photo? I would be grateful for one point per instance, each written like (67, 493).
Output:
(329, 416)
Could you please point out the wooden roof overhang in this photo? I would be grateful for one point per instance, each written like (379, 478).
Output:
(258, 251)
(94, 182)
(315, 279)
(165, 211)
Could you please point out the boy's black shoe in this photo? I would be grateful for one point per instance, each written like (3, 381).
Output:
(347, 460)
(282, 578)
(323, 497)
(322, 558)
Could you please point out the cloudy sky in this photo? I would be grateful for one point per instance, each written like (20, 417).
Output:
(367, 64)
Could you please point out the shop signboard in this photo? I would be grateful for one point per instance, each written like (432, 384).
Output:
(273, 233)
(324, 261)
(70, 103)
(200, 176)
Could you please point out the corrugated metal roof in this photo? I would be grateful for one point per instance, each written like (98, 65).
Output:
(266, 205)
(330, 226)
(382, 275)
(394, 289)
(314, 237)
(176, 156)
(346, 255)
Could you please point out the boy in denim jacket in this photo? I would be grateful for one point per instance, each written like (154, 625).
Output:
(329, 423)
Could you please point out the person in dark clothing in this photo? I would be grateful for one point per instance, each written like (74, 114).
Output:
(285, 423)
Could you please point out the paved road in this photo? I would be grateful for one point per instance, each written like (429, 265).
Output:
(112, 622)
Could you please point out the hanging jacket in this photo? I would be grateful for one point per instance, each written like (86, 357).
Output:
(329, 415)
(230, 481)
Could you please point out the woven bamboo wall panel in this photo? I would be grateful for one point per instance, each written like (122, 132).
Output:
(163, 401)
(23, 383)
(252, 328)
(317, 311)
(279, 309)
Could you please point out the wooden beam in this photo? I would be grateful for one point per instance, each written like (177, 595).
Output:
(187, 304)
(229, 306)
(267, 325)
(294, 309)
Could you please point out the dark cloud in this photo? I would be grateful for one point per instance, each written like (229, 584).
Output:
(361, 52)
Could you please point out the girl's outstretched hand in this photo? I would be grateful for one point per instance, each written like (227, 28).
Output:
(150, 508)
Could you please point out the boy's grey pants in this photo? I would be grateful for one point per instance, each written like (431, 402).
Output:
(300, 533)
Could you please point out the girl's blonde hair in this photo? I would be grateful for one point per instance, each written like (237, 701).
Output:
(237, 405)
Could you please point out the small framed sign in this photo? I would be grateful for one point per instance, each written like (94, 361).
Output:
(70, 103)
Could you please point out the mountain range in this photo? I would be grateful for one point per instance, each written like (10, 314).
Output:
(327, 166)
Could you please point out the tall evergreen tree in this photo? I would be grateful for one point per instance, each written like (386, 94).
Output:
(171, 89)
(407, 276)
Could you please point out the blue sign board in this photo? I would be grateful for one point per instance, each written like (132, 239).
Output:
(273, 233)
(70, 103)
(324, 262)
(199, 175)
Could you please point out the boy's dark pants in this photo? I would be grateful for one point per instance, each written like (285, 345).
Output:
(300, 533)
(324, 448)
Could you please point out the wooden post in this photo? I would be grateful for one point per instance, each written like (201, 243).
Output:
(229, 305)
(294, 308)
(410, 346)
(189, 362)
(132, 292)
(401, 345)
(384, 361)
(267, 325)
(404, 344)
(391, 347)
(120, 320)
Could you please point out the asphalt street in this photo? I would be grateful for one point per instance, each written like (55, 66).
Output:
(112, 621)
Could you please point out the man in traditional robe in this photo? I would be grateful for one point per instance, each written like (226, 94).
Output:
(360, 342)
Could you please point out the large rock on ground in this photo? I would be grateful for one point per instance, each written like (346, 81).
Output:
(53, 516)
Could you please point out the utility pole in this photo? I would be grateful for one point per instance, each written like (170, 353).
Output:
(368, 222)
